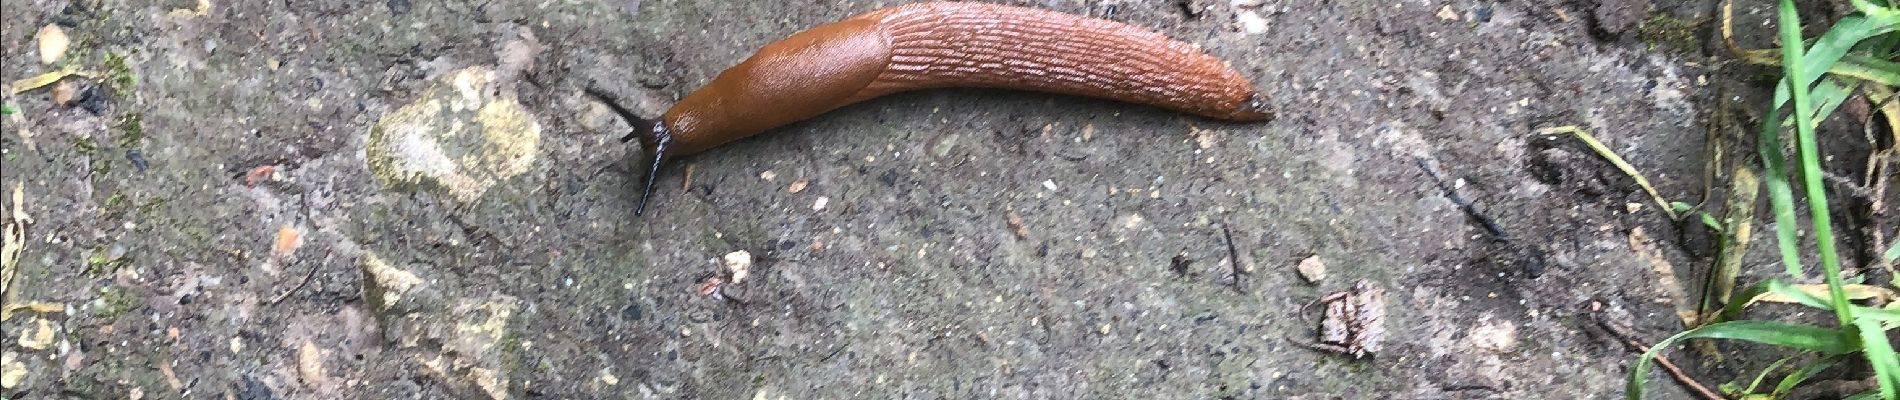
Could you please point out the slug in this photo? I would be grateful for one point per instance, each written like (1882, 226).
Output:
(941, 45)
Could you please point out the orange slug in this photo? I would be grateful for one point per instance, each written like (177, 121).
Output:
(941, 45)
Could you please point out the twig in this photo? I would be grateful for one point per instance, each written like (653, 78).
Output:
(300, 284)
(687, 184)
(1627, 338)
(1233, 255)
(1847, 185)
(1880, 168)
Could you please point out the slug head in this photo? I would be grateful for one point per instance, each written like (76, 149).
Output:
(655, 140)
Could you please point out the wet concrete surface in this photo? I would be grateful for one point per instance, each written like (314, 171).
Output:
(414, 199)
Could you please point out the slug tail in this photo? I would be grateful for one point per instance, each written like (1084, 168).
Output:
(655, 140)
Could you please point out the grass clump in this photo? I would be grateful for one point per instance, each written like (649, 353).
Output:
(1814, 82)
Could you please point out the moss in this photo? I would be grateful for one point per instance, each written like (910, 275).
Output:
(117, 302)
(101, 164)
(114, 206)
(100, 262)
(119, 76)
(130, 129)
(1668, 32)
(85, 146)
(149, 207)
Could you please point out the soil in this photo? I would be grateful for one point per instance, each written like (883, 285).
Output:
(409, 199)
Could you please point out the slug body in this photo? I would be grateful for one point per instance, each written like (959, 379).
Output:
(941, 45)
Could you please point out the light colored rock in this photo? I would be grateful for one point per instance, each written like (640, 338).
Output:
(1251, 22)
(478, 345)
(1494, 335)
(459, 138)
(53, 43)
(12, 370)
(310, 364)
(387, 285)
(739, 264)
(1312, 269)
(1446, 13)
(41, 336)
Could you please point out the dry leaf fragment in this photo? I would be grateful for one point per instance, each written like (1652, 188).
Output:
(64, 93)
(37, 81)
(202, 8)
(1854, 291)
(1016, 226)
(287, 240)
(1666, 282)
(37, 306)
(258, 174)
(171, 377)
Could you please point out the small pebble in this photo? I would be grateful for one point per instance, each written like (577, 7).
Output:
(1312, 269)
(1251, 22)
(1447, 13)
(739, 264)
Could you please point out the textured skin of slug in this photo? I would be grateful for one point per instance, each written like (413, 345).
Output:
(950, 44)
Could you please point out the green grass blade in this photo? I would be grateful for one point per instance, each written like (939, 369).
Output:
(1829, 48)
(1809, 153)
(1869, 68)
(1867, 395)
(1880, 354)
(1763, 376)
(1832, 45)
(1775, 172)
(1798, 336)
(1829, 94)
(1741, 300)
(1893, 252)
(1877, 314)
(1868, 7)
(1799, 376)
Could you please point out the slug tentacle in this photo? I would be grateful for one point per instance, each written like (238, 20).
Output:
(656, 145)
(655, 140)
